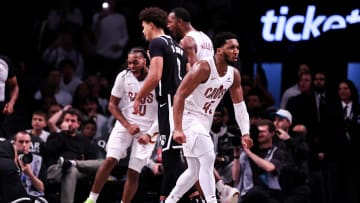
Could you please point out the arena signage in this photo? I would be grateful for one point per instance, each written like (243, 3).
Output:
(276, 27)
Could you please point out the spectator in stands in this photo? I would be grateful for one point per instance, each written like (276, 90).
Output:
(63, 12)
(38, 134)
(88, 130)
(38, 125)
(63, 150)
(69, 80)
(54, 120)
(256, 172)
(295, 89)
(342, 143)
(111, 38)
(81, 93)
(64, 48)
(99, 88)
(308, 109)
(294, 175)
(92, 110)
(51, 87)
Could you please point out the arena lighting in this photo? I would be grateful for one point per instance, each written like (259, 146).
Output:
(275, 27)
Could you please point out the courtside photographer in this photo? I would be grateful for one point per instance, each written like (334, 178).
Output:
(33, 170)
(11, 188)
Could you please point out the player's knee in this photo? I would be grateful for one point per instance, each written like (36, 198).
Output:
(110, 161)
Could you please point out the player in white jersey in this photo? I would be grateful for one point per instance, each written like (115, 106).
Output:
(196, 44)
(194, 105)
(136, 130)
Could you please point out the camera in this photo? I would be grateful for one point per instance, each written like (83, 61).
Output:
(25, 158)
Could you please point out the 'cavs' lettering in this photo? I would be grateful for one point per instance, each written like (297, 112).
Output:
(215, 93)
(148, 99)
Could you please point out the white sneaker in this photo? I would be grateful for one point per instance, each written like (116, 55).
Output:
(229, 195)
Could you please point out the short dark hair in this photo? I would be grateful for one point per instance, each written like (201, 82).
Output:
(268, 123)
(182, 14)
(40, 112)
(155, 15)
(221, 37)
(74, 112)
(22, 132)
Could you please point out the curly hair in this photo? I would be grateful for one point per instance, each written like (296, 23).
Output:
(155, 15)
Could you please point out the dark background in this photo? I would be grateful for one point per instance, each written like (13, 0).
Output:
(20, 22)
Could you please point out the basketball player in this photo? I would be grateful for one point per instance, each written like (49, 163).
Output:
(197, 46)
(135, 130)
(194, 105)
(167, 67)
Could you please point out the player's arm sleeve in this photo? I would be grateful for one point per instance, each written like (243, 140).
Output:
(242, 117)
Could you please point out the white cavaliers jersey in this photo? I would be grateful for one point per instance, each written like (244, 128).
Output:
(126, 88)
(203, 43)
(201, 104)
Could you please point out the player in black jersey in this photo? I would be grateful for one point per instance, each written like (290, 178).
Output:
(167, 67)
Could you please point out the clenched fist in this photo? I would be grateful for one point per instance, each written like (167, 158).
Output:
(246, 141)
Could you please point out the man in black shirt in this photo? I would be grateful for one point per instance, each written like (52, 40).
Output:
(64, 150)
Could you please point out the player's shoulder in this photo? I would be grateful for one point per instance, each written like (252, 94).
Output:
(158, 41)
(124, 72)
(122, 75)
(202, 65)
(188, 39)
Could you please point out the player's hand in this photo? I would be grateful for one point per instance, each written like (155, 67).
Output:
(179, 137)
(8, 109)
(246, 141)
(133, 129)
(144, 139)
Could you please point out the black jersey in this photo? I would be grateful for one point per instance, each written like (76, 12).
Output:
(174, 63)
